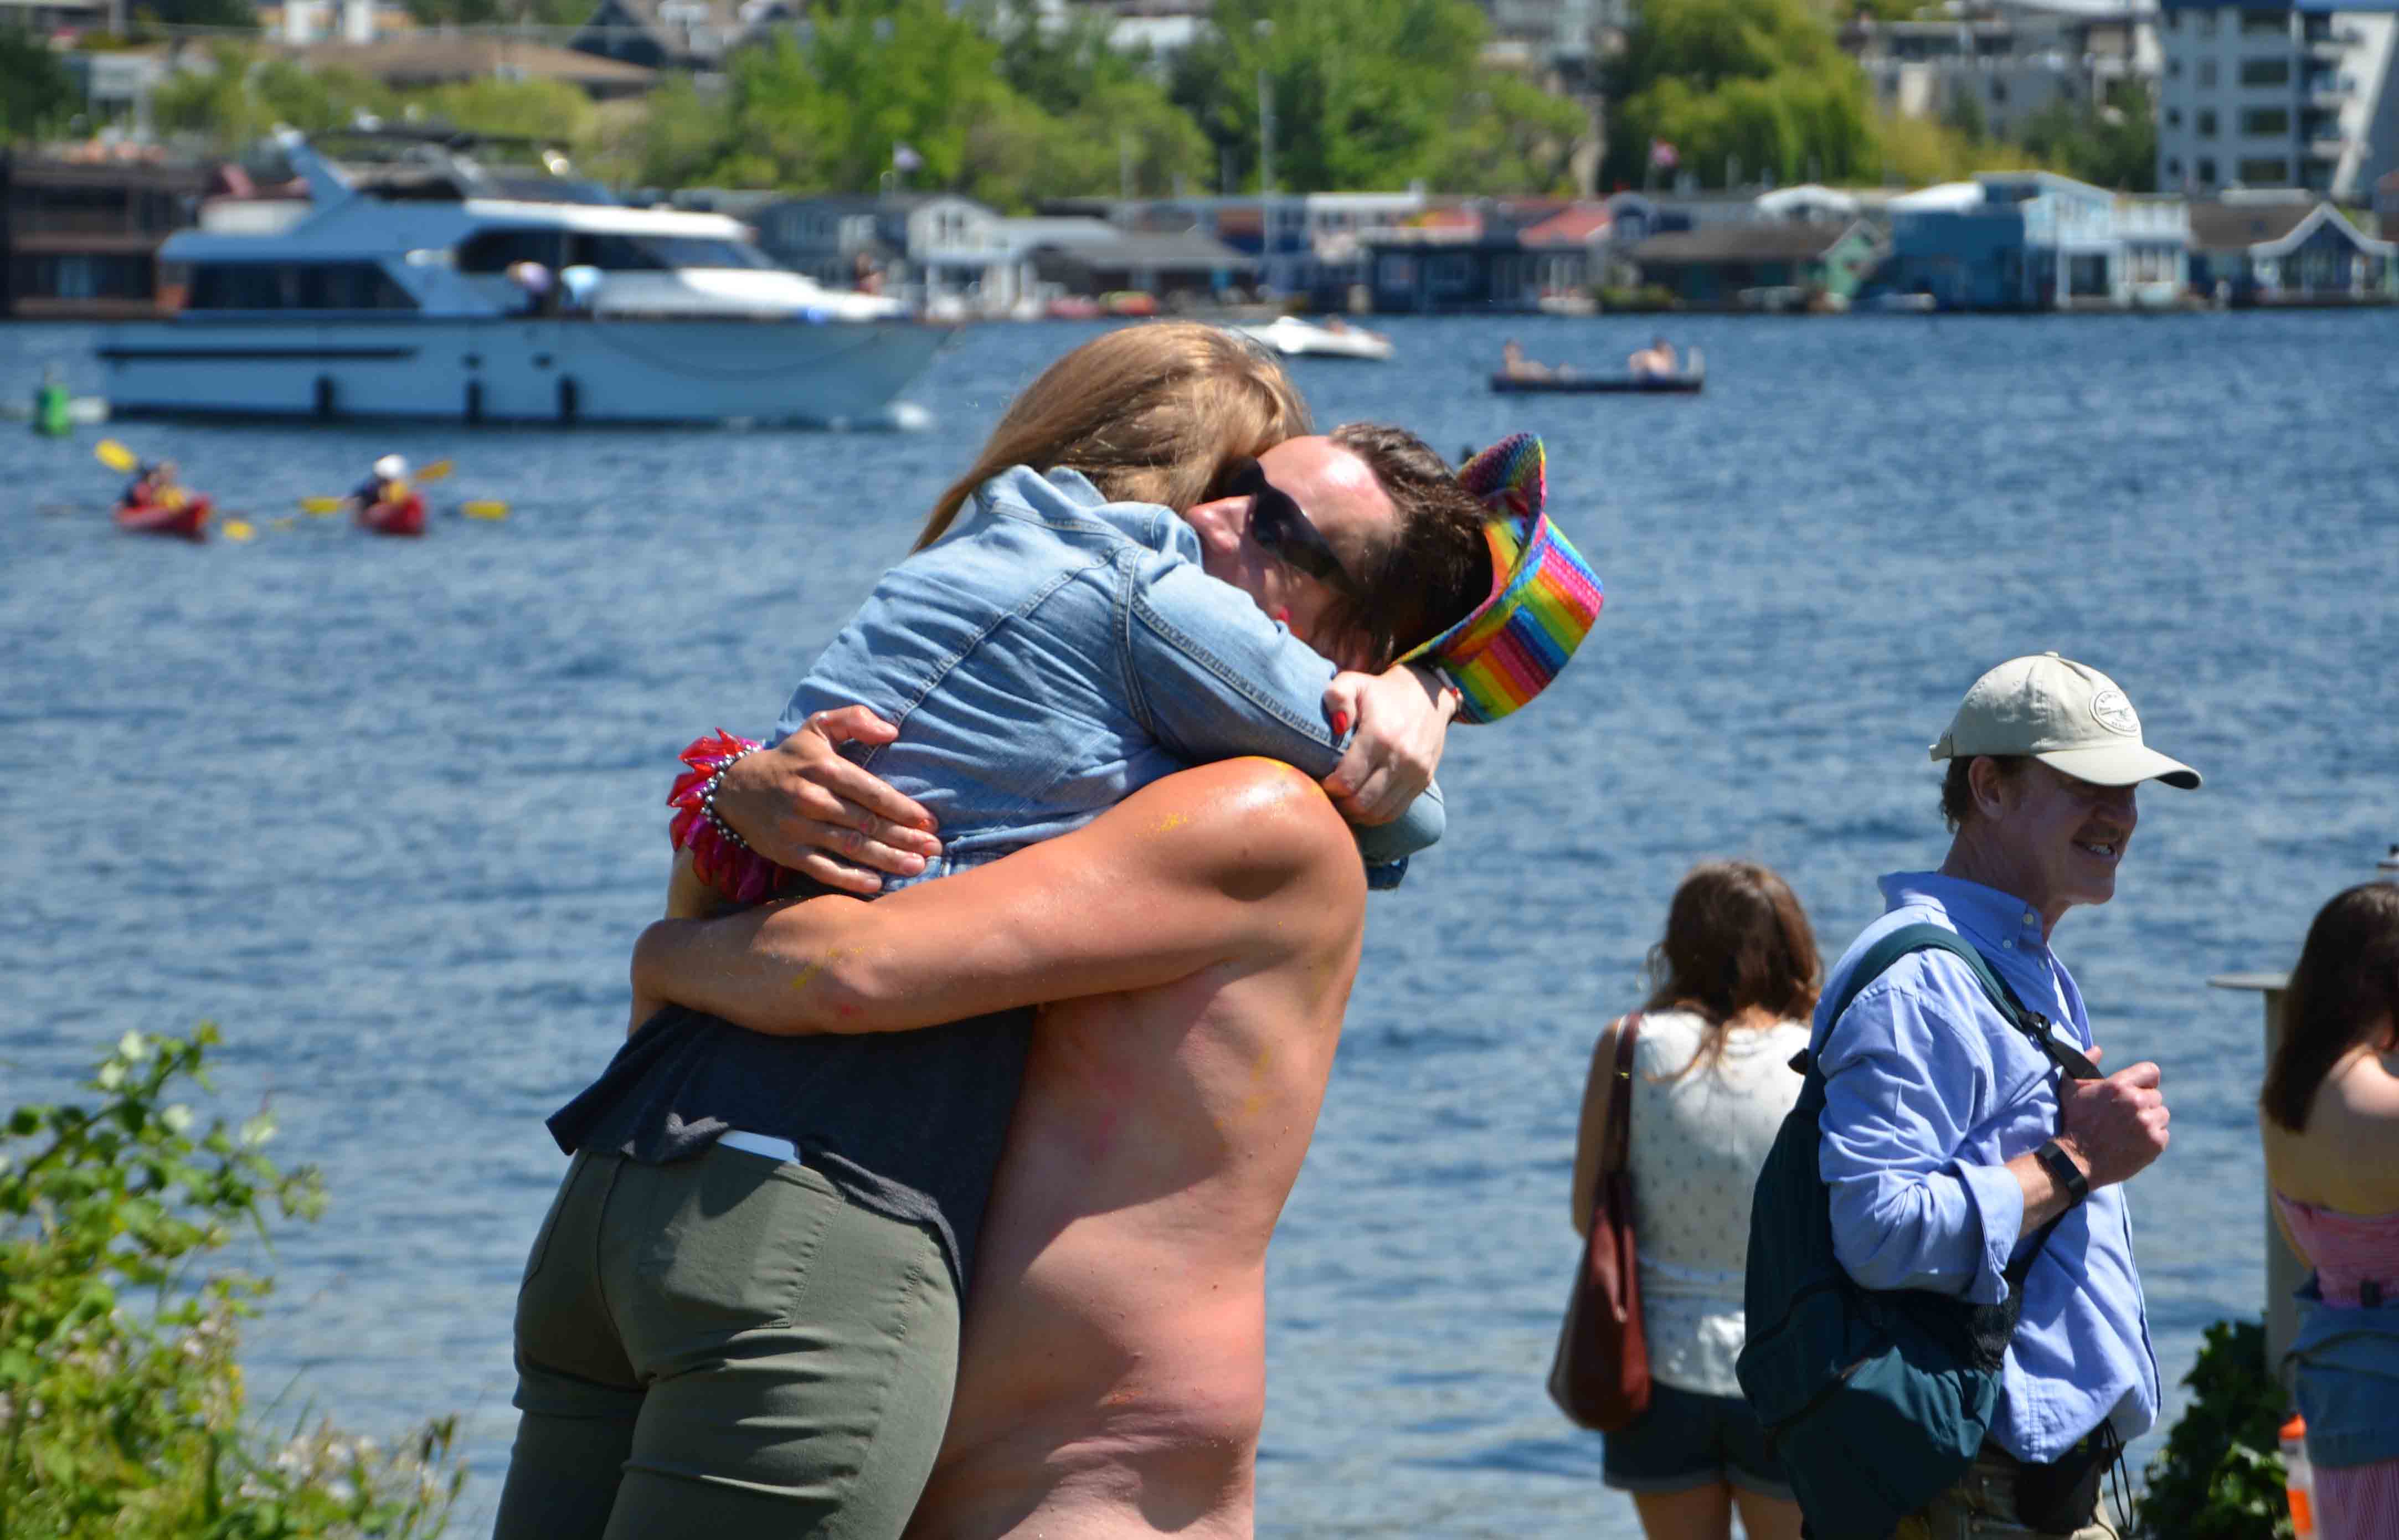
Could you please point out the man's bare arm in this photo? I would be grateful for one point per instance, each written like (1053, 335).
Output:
(1241, 862)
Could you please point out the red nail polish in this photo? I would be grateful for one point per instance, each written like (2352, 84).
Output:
(1340, 724)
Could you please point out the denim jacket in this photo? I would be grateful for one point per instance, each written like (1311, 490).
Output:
(1052, 654)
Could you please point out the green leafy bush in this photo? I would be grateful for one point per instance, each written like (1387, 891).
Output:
(121, 1401)
(2220, 1476)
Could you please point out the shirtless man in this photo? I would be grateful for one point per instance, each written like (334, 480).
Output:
(1198, 942)
(1657, 360)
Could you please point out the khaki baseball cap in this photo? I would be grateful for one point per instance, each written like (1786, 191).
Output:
(2065, 714)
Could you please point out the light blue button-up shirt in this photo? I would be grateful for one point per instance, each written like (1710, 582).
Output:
(1053, 653)
(1928, 1092)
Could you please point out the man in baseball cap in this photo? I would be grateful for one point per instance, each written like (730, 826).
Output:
(1950, 1139)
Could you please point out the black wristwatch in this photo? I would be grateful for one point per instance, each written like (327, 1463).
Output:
(2060, 1166)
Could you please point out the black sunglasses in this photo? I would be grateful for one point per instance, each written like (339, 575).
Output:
(1277, 523)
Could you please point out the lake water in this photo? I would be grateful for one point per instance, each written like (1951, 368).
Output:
(391, 812)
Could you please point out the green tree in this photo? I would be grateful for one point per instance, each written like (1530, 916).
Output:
(2113, 144)
(240, 96)
(550, 111)
(1761, 80)
(1510, 136)
(1363, 92)
(36, 94)
(1088, 120)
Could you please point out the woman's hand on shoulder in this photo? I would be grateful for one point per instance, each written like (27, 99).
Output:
(1402, 716)
(801, 806)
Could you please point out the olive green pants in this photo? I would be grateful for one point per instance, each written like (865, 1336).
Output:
(726, 1347)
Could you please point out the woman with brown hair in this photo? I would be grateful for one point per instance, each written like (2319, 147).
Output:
(2330, 1117)
(1732, 984)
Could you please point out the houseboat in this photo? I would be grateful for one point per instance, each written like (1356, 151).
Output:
(431, 284)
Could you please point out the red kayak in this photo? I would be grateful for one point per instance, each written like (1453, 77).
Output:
(399, 516)
(188, 519)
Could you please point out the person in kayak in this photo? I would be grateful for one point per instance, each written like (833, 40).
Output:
(388, 482)
(153, 486)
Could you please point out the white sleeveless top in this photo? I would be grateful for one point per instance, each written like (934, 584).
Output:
(1697, 1142)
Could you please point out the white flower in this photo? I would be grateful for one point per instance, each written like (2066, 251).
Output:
(112, 1075)
(258, 1130)
(177, 1118)
(133, 1048)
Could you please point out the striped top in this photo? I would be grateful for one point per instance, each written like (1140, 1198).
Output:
(2348, 1250)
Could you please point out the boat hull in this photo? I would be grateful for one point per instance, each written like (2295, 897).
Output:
(517, 371)
(1624, 385)
(186, 520)
(401, 516)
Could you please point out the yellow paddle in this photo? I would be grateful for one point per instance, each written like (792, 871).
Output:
(115, 456)
(491, 511)
(322, 506)
(239, 529)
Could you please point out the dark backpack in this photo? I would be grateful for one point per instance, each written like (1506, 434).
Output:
(1874, 1401)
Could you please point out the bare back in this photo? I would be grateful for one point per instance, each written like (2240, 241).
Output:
(2348, 1158)
(1112, 1379)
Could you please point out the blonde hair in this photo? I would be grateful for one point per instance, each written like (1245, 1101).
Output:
(1149, 414)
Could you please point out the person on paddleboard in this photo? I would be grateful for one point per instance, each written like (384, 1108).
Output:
(386, 483)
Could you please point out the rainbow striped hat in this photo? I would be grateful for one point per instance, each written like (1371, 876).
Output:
(1544, 595)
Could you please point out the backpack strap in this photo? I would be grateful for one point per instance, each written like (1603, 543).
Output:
(2038, 1029)
(2033, 1024)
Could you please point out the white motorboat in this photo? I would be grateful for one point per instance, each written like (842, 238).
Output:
(436, 286)
(1295, 338)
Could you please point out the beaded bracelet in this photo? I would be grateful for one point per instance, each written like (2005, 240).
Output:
(720, 857)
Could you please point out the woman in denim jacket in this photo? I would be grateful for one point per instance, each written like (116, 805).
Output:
(2329, 1116)
(1057, 642)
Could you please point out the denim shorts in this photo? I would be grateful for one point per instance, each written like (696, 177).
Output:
(1686, 1440)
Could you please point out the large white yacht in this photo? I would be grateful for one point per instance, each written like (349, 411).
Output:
(404, 292)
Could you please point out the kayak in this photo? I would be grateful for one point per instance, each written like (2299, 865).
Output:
(188, 519)
(1610, 385)
(401, 516)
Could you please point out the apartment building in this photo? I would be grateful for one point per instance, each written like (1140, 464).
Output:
(2298, 95)
(2007, 62)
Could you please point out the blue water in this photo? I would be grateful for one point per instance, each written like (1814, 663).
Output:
(390, 812)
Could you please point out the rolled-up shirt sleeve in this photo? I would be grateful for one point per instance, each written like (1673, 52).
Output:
(1908, 1074)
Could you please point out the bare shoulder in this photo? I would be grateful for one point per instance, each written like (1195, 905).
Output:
(2348, 1156)
(1247, 821)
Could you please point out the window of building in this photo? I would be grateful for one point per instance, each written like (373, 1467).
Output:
(2207, 170)
(2174, 21)
(2174, 169)
(2174, 118)
(2265, 72)
(2174, 66)
(2207, 123)
(2207, 24)
(2265, 120)
(2208, 72)
(1999, 93)
(2266, 173)
(2265, 23)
